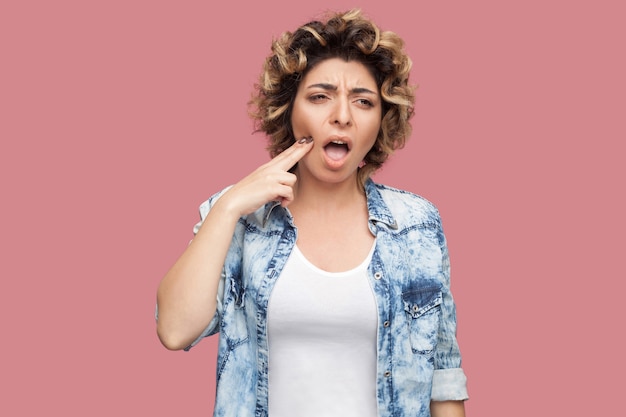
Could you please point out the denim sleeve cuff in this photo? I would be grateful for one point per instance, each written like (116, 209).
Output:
(449, 385)
(208, 331)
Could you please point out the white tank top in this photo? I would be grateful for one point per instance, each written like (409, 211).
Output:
(322, 342)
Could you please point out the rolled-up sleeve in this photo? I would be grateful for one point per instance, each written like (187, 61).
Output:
(449, 380)
(449, 384)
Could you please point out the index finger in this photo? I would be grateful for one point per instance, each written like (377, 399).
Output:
(290, 156)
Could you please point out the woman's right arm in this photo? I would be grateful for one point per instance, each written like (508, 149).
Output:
(187, 295)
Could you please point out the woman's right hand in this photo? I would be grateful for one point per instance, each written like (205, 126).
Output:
(271, 181)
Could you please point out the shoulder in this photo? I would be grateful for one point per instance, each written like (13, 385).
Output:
(407, 207)
(391, 195)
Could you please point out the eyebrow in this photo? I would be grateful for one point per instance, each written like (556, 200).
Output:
(331, 87)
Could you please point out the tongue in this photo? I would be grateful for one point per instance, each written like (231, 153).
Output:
(336, 152)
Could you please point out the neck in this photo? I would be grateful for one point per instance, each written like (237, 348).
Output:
(314, 194)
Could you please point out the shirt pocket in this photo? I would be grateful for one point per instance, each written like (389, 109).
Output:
(423, 311)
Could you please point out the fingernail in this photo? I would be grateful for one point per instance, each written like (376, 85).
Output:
(306, 140)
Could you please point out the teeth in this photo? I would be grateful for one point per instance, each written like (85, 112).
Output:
(339, 142)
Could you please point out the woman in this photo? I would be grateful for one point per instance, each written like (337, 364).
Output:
(330, 292)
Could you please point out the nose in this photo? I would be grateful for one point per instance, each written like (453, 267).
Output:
(342, 115)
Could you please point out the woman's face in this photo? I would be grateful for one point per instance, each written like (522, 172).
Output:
(337, 103)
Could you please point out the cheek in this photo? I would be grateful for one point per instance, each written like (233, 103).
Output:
(298, 119)
(300, 111)
(372, 131)
(369, 123)
(305, 122)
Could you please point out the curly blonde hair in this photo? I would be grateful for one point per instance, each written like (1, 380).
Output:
(351, 37)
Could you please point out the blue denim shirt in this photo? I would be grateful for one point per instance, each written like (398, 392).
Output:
(418, 356)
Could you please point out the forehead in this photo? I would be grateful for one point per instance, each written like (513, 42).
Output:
(338, 71)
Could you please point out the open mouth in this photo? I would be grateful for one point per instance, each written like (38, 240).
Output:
(336, 150)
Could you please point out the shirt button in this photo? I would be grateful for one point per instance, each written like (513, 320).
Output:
(386, 324)
(387, 374)
(378, 275)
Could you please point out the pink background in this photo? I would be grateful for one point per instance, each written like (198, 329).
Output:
(118, 118)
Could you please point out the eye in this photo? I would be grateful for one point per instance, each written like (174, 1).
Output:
(364, 102)
(318, 97)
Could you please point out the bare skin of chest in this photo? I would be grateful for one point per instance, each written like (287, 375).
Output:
(335, 242)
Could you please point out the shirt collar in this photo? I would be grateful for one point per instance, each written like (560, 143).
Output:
(378, 210)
